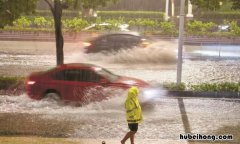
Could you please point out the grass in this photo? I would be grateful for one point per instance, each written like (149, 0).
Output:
(45, 140)
(232, 130)
(34, 140)
(27, 124)
(29, 139)
(8, 82)
(225, 130)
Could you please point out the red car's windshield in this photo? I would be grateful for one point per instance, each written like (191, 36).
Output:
(106, 74)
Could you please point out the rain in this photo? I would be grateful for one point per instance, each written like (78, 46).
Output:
(165, 117)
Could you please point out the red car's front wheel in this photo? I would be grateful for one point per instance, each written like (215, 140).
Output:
(52, 96)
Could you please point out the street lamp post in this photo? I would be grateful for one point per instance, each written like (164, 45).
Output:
(180, 42)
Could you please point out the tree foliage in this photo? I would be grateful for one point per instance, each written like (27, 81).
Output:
(13, 9)
(208, 4)
(88, 4)
(56, 8)
(235, 4)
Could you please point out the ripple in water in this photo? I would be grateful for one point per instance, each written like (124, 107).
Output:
(106, 119)
(115, 102)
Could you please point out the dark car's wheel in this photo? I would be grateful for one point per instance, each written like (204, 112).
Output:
(52, 96)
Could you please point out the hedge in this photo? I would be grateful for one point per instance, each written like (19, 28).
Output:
(66, 13)
(8, 82)
(108, 14)
(206, 16)
(131, 15)
(143, 25)
(219, 15)
(210, 87)
(217, 87)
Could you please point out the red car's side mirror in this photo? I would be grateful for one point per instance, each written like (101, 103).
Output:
(103, 81)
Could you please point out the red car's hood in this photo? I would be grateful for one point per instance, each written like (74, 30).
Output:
(128, 81)
(35, 75)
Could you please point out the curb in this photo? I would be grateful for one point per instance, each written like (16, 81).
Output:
(207, 94)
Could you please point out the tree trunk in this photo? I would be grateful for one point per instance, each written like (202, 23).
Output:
(58, 31)
(56, 10)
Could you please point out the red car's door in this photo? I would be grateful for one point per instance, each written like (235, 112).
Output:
(77, 84)
(64, 81)
(91, 86)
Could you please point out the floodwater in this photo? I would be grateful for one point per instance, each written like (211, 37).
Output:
(106, 119)
(163, 116)
(155, 64)
(211, 50)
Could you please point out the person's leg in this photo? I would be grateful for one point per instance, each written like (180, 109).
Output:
(133, 129)
(130, 135)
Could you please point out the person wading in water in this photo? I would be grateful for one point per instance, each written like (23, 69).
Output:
(133, 114)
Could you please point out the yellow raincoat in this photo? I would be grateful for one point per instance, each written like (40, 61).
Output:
(132, 106)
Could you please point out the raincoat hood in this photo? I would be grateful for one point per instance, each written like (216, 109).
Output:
(133, 92)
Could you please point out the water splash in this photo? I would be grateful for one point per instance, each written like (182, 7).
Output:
(163, 52)
(23, 104)
(114, 102)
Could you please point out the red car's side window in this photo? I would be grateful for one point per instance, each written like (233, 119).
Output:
(77, 75)
(89, 76)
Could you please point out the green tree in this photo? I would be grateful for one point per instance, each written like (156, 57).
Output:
(208, 4)
(11, 10)
(56, 8)
(235, 4)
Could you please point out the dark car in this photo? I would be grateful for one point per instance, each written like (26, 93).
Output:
(114, 42)
(71, 82)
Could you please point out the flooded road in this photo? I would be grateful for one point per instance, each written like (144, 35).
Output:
(106, 119)
(213, 50)
(163, 116)
(156, 64)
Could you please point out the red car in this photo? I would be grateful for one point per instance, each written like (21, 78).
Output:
(71, 82)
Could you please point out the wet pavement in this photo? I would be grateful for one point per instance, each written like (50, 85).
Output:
(156, 64)
(164, 118)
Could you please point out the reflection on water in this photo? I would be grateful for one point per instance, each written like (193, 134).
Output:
(155, 64)
(231, 51)
(106, 119)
